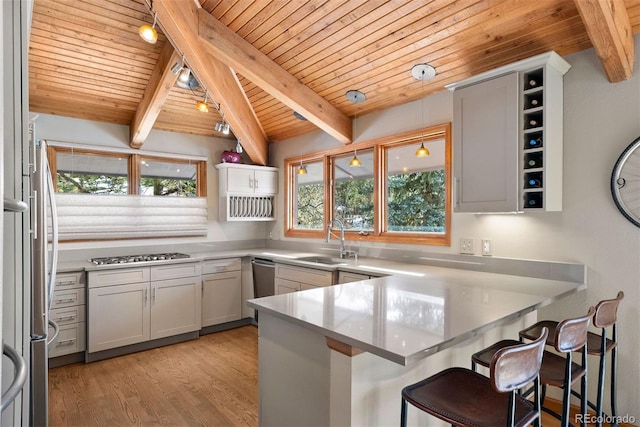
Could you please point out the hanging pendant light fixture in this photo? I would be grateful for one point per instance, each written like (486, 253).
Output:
(356, 97)
(202, 105)
(355, 162)
(149, 32)
(422, 72)
(302, 169)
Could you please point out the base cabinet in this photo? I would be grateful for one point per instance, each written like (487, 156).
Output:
(293, 278)
(68, 310)
(118, 316)
(163, 305)
(221, 291)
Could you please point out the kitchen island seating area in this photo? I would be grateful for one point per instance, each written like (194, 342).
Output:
(463, 397)
(604, 318)
(569, 336)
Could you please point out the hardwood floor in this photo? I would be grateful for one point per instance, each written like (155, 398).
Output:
(211, 381)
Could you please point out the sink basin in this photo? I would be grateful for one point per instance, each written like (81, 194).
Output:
(322, 260)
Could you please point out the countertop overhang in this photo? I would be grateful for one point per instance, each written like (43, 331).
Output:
(402, 318)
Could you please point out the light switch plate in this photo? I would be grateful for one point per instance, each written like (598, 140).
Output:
(466, 246)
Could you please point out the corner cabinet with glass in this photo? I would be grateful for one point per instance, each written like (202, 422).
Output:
(247, 192)
(507, 129)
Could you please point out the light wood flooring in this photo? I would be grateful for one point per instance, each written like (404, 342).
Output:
(211, 381)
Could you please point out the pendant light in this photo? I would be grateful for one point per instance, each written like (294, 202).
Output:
(202, 105)
(149, 32)
(355, 162)
(356, 97)
(302, 169)
(422, 72)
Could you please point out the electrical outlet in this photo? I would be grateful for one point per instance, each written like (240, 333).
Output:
(486, 247)
(466, 246)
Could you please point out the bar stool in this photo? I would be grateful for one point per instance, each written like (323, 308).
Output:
(462, 397)
(569, 335)
(597, 345)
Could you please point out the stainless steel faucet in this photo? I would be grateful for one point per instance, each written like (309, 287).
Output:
(343, 251)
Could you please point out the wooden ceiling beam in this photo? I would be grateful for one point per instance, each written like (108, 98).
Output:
(160, 84)
(179, 20)
(609, 30)
(233, 50)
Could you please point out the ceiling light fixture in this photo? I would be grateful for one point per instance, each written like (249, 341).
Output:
(422, 72)
(302, 169)
(184, 74)
(202, 105)
(148, 32)
(222, 126)
(356, 97)
(355, 162)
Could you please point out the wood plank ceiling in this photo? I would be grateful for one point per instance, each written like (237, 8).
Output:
(262, 59)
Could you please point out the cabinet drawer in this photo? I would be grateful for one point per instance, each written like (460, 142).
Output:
(346, 277)
(70, 280)
(71, 339)
(174, 271)
(284, 286)
(305, 275)
(68, 298)
(221, 265)
(68, 315)
(118, 276)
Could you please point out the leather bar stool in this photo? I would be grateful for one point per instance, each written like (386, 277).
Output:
(569, 335)
(462, 397)
(605, 317)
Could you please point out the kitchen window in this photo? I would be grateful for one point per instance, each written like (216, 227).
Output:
(393, 196)
(105, 193)
(90, 171)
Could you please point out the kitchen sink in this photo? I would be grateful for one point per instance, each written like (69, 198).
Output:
(322, 260)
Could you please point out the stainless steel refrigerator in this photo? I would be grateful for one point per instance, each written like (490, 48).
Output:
(28, 237)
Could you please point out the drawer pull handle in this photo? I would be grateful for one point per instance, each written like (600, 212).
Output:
(65, 300)
(67, 283)
(67, 342)
(65, 318)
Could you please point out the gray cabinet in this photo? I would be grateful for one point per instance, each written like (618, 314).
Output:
(247, 192)
(485, 131)
(221, 291)
(137, 304)
(507, 133)
(289, 278)
(68, 310)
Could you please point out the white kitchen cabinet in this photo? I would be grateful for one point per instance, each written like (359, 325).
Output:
(221, 291)
(132, 305)
(247, 192)
(118, 315)
(175, 306)
(507, 132)
(68, 310)
(290, 278)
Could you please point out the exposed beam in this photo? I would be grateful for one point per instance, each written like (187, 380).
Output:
(609, 30)
(243, 57)
(157, 90)
(179, 20)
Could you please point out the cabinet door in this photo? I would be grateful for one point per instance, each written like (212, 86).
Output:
(221, 298)
(176, 306)
(240, 180)
(346, 277)
(485, 136)
(266, 182)
(118, 316)
(284, 286)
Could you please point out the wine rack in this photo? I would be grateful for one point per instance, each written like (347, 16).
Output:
(540, 178)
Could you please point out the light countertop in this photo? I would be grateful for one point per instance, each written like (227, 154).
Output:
(403, 318)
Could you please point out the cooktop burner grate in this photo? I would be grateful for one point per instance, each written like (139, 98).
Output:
(126, 259)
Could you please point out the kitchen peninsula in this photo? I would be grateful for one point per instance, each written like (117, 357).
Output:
(340, 355)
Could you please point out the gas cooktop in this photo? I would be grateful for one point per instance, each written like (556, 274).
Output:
(126, 259)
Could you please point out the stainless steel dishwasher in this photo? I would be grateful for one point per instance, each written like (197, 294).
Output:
(263, 277)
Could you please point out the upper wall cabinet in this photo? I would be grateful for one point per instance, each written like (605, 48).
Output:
(247, 192)
(507, 133)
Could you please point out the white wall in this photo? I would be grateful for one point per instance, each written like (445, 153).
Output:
(110, 135)
(600, 120)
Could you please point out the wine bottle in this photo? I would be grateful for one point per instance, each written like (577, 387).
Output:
(533, 83)
(535, 142)
(533, 160)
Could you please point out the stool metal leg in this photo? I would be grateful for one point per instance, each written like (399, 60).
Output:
(566, 394)
(614, 359)
(583, 389)
(403, 413)
(602, 367)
